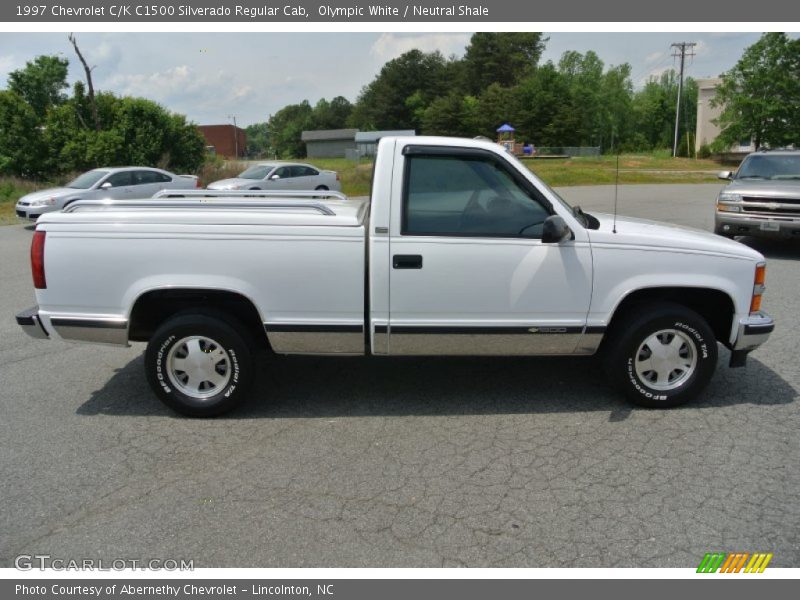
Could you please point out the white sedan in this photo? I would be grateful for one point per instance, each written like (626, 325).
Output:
(281, 176)
(116, 183)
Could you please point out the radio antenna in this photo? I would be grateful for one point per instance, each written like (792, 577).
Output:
(616, 195)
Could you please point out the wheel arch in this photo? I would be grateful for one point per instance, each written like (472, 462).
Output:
(154, 306)
(716, 306)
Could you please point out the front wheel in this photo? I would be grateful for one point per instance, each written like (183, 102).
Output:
(662, 355)
(199, 365)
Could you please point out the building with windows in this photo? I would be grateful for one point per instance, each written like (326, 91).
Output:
(226, 140)
(707, 131)
(329, 143)
(367, 141)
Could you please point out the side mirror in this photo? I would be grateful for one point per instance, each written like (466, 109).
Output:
(555, 230)
(725, 175)
(105, 185)
(275, 177)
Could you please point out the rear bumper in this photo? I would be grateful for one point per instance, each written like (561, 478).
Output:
(31, 324)
(94, 330)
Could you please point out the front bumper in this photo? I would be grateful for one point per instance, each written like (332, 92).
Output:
(746, 224)
(31, 324)
(753, 331)
(29, 212)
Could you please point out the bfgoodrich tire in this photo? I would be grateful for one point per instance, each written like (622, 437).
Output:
(199, 365)
(662, 355)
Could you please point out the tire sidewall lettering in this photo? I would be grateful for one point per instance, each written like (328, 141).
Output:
(161, 375)
(701, 343)
(235, 375)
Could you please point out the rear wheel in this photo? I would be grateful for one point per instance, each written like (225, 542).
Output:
(661, 355)
(322, 187)
(199, 365)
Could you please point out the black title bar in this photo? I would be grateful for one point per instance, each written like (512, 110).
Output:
(420, 11)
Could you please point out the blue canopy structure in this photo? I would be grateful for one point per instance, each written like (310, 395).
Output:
(505, 128)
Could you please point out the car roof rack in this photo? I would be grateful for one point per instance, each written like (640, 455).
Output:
(204, 203)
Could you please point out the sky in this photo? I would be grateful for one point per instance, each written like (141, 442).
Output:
(214, 77)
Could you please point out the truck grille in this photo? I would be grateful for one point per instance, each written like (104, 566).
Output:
(789, 207)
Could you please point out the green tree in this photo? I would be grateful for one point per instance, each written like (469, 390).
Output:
(652, 112)
(449, 115)
(21, 151)
(331, 115)
(286, 127)
(496, 105)
(546, 113)
(258, 140)
(136, 131)
(760, 96)
(383, 103)
(502, 58)
(41, 83)
(615, 101)
(583, 77)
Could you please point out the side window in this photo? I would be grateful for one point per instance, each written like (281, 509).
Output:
(467, 196)
(144, 177)
(283, 172)
(309, 172)
(161, 177)
(120, 179)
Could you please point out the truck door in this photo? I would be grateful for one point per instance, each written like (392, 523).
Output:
(469, 273)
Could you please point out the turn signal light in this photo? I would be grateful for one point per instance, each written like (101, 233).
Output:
(761, 274)
(758, 287)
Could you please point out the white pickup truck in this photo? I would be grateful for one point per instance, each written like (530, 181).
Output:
(460, 250)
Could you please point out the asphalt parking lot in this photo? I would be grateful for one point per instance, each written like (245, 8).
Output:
(409, 462)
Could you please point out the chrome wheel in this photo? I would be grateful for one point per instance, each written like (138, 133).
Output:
(666, 359)
(199, 367)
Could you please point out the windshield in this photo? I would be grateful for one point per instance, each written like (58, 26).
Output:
(770, 166)
(585, 219)
(87, 180)
(256, 172)
(541, 184)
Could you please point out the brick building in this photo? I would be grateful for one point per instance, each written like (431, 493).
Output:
(226, 140)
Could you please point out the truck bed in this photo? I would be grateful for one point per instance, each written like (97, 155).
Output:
(299, 261)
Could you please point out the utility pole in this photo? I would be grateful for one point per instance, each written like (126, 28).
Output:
(235, 136)
(680, 50)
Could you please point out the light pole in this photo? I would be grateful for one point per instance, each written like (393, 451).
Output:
(235, 137)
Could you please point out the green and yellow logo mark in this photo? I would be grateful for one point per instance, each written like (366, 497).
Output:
(734, 562)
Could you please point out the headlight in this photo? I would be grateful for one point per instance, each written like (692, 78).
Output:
(728, 197)
(44, 201)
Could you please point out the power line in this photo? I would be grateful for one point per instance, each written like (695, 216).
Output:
(680, 51)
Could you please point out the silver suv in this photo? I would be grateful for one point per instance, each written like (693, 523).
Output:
(763, 198)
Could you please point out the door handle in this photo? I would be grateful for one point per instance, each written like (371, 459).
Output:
(407, 261)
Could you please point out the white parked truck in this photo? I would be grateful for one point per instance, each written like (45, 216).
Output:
(460, 250)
